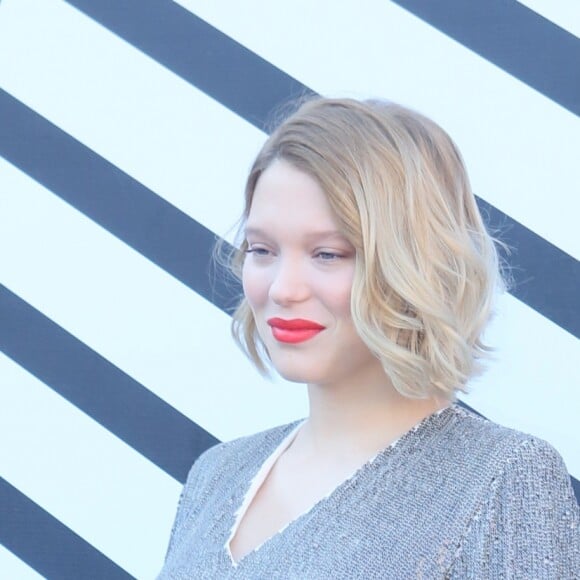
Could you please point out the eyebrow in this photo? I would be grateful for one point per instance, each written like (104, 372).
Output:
(313, 235)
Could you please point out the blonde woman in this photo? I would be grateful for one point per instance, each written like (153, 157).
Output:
(369, 275)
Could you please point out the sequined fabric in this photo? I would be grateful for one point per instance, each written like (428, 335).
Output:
(457, 497)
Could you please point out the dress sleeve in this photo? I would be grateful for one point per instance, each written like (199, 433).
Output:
(528, 525)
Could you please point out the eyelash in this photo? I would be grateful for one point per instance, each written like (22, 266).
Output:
(256, 251)
(330, 256)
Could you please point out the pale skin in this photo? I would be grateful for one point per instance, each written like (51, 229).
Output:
(299, 265)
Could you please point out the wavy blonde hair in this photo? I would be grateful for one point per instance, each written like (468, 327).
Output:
(426, 268)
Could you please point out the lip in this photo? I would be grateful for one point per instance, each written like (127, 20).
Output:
(295, 330)
(294, 324)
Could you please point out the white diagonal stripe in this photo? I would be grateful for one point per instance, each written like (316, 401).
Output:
(13, 567)
(563, 13)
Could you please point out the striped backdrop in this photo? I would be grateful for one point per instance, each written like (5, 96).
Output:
(126, 131)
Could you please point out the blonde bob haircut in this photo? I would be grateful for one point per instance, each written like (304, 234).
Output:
(426, 267)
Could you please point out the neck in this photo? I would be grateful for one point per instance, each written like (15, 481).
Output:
(360, 417)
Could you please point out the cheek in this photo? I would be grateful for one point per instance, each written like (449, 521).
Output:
(336, 293)
(255, 286)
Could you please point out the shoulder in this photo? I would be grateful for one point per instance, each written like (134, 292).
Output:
(518, 473)
(481, 458)
(496, 444)
(525, 497)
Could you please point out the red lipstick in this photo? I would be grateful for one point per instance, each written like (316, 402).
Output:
(295, 330)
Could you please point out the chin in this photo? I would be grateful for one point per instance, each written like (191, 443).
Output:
(293, 377)
(307, 374)
(292, 374)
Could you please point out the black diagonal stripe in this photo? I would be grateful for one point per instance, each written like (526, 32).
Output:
(126, 208)
(199, 53)
(100, 389)
(514, 38)
(547, 279)
(576, 487)
(505, 32)
(47, 545)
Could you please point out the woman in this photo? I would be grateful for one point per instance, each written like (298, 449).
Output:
(369, 275)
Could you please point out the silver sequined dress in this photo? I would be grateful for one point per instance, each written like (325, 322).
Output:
(455, 497)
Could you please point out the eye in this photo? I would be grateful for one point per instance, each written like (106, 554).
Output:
(258, 251)
(327, 256)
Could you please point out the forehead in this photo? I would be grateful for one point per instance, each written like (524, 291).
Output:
(285, 194)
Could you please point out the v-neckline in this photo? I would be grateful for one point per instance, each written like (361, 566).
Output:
(267, 466)
(255, 484)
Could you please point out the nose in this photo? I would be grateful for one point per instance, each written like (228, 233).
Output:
(290, 282)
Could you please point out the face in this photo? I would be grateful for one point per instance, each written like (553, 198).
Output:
(297, 278)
